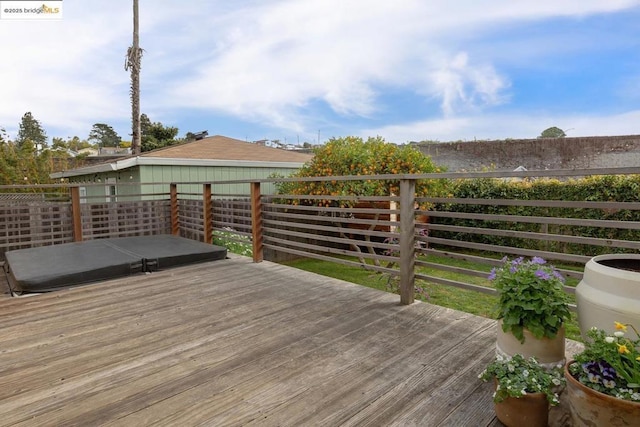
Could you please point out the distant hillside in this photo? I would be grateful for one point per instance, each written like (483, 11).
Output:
(536, 154)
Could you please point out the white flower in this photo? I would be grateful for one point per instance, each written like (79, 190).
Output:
(556, 381)
(525, 373)
(609, 340)
(524, 392)
(618, 334)
(511, 367)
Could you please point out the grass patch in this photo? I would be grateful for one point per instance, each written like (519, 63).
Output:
(234, 242)
(472, 302)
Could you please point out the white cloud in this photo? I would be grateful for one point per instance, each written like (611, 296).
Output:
(268, 62)
(502, 126)
(63, 71)
(461, 85)
(286, 54)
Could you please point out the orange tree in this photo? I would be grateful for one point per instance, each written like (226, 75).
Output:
(353, 156)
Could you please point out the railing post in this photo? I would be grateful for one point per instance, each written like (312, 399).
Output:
(407, 240)
(76, 215)
(175, 211)
(256, 222)
(207, 213)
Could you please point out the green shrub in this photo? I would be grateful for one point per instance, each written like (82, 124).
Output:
(354, 156)
(621, 188)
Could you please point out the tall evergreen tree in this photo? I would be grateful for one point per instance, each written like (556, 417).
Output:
(104, 135)
(31, 130)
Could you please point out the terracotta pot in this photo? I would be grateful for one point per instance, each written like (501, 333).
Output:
(549, 352)
(592, 408)
(531, 410)
(609, 292)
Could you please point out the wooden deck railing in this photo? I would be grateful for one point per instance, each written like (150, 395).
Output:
(387, 234)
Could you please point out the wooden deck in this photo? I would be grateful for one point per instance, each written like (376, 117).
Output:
(236, 343)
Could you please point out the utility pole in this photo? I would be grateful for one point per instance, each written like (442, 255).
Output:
(133, 62)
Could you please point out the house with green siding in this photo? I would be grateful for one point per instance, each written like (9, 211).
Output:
(212, 159)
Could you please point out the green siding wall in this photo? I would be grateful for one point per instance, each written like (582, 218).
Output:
(167, 174)
(156, 179)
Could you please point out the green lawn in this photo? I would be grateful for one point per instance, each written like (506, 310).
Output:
(459, 299)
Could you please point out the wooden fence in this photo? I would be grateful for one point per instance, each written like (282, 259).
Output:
(386, 234)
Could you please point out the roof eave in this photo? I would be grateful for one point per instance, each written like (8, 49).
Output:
(161, 161)
(100, 168)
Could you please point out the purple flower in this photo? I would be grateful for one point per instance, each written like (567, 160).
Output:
(541, 274)
(538, 260)
(600, 371)
(594, 378)
(492, 274)
(558, 276)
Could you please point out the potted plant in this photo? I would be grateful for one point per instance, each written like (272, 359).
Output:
(524, 390)
(532, 310)
(603, 382)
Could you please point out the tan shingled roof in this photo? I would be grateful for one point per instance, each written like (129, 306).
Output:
(222, 148)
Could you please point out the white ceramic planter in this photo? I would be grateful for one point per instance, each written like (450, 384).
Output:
(609, 292)
(548, 352)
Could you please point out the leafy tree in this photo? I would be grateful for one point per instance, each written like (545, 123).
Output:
(104, 135)
(31, 130)
(23, 164)
(553, 132)
(189, 137)
(8, 164)
(4, 138)
(59, 144)
(77, 144)
(354, 156)
(155, 134)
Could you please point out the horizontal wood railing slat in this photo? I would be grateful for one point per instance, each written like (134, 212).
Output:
(578, 222)
(613, 243)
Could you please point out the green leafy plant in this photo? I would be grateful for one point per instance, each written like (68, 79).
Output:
(531, 296)
(610, 364)
(517, 377)
(605, 188)
(235, 243)
(354, 156)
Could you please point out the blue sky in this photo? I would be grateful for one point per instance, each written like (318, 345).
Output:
(407, 70)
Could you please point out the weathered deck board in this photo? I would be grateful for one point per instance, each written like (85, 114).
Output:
(236, 343)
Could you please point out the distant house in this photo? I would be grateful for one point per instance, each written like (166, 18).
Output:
(211, 159)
